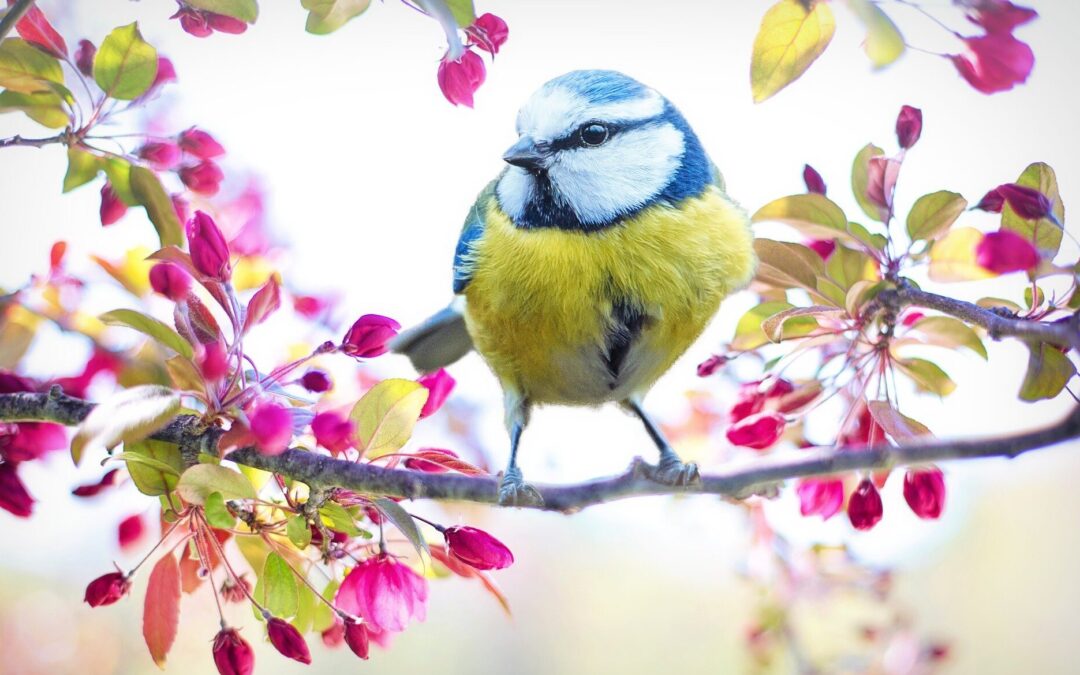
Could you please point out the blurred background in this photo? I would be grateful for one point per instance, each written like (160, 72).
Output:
(368, 173)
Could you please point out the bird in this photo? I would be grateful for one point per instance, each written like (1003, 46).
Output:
(593, 260)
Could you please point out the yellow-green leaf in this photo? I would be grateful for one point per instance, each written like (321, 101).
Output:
(748, 331)
(860, 180)
(83, 167)
(335, 516)
(945, 331)
(125, 65)
(933, 214)
(812, 214)
(127, 416)
(884, 43)
(44, 107)
(796, 321)
(787, 265)
(202, 480)
(895, 423)
(326, 16)
(276, 589)
(952, 258)
(26, 69)
(790, 38)
(148, 191)
(154, 466)
(847, 266)
(386, 414)
(298, 531)
(463, 11)
(149, 326)
(1043, 232)
(245, 10)
(1047, 374)
(118, 170)
(927, 376)
(217, 514)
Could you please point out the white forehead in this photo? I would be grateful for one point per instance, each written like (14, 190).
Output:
(554, 110)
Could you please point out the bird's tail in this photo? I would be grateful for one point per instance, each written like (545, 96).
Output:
(439, 341)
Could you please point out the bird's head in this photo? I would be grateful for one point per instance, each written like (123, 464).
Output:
(594, 147)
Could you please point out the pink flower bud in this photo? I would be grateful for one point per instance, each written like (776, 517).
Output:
(106, 589)
(911, 318)
(814, 182)
(112, 208)
(711, 365)
(488, 32)
(130, 530)
(232, 654)
(367, 338)
(460, 79)
(757, 431)
(356, 636)
(881, 173)
(316, 381)
(170, 280)
(84, 57)
(864, 507)
(27, 441)
(93, 489)
(310, 306)
(1005, 251)
(271, 425)
(162, 155)
(992, 201)
(193, 22)
(197, 142)
(166, 73)
(213, 361)
(209, 252)
(477, 548)
(995, 62)
(13, 495)
(924, 491)
(1000, 16)
(203, 178)
(225, 24)
(823, 247)
(180, 205)
(439, 385)
(431, 460)
(820, 496)
(287, 640)
(1028, 203)
(333, 431)
(908, 126)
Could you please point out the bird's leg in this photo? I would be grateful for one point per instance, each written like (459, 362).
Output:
(513, 490)
(670, 470)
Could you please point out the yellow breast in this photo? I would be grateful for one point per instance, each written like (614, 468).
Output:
(540, 301)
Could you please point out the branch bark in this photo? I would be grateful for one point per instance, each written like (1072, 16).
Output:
(736, 481)
(14, 13)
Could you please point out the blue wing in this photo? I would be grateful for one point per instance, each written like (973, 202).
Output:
(472, 230)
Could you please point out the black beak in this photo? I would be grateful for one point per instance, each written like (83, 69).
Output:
(526, 154)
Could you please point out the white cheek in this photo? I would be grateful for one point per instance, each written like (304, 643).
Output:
(515, 190)
(605, 182)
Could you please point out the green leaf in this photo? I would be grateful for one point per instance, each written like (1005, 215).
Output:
(276, 589)
(785, 265)
(44, 107)
(463, 11)
(945, 331)
(927, 375)
(933, 214)
(814, 215)
(335, 516)
(150, 326)
(305, 610)
(1048, 372)
(118, 170)
(202, 480)
(129, 415)
(125, 65)
(952, 257)
(83, 167)
(147, 190)
(323, 616)
(245, 10)
(847, 266)
(1043, 232)
(326, 16)
(796, 321)
(896, 424)
(884, 43)
(217, 514)
(792, 35)
(386, 414)
(748, 331)
(403, 522)
(298, 531)
(860, 181)
(991, 303)
(26, 69)
(1033, 300)
(154, 466)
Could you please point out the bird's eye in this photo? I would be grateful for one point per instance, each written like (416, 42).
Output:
(593, 134)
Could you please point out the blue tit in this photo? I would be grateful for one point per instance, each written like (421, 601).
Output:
(593, 261)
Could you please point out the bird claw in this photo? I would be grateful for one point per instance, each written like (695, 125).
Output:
(672, 471)
(514, 491)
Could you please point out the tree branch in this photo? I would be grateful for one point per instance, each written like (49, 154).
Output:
(14, 13)
(33, 142)
(736, 481)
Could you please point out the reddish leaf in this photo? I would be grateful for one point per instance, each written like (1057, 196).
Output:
(161, 609)
(36, 29)
(429, 459)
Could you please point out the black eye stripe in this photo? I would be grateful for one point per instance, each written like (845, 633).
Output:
(573, 139)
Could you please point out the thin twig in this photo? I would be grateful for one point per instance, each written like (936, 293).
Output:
(14, 13)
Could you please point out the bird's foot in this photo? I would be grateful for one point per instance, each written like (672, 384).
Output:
(514, 491)
(673, 471)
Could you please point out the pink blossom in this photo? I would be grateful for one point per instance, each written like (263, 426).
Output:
(112, 207)
(106, 589)
(488, 32)
(333, 431)
(316, 381)
(439, 385)
(232, 654)
(814, 182)
(369, 335)
(823, 247)
(385, 593)
(130, 530)
(193, 22)
(209, 252)
(820, 496)
(1000, 16)
(200, 144)
(84, 57)
(356, 636)
(711, 365)
(213, 361)
(163, 155)
(992, 201)
(1005, 251)
(881, 173)
(14, 497)
(477, 548)
(995, 62)
(170, 281)
(1028, 203)
(864, 507)
(911, 318)
(271, 425)
(28, 441)
(225, 24)
(908, 126)
(459, 79)
(203, 178)
(166, 73)
(924, 491)
(287, 640)
(93, 489)
(757, 431)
